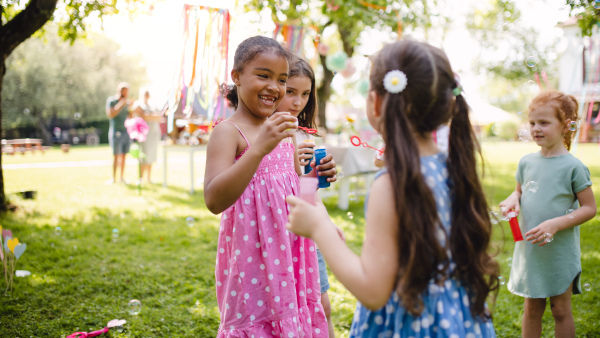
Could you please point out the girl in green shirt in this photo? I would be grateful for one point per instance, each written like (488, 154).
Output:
(550, 184)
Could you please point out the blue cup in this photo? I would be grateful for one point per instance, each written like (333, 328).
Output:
(320, 153)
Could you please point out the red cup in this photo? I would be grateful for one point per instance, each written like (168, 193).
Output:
(308, 188)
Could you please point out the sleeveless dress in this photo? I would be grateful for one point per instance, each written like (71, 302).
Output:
(267, 277)
(447, 310)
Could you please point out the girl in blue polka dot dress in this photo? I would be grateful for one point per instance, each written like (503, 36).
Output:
(424, 270)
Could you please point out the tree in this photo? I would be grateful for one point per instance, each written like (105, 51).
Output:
(20, 19)
(350, 18)
(588, 14)
(50, 78)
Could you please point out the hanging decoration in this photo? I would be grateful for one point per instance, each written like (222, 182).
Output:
(293, 36)
(336, 62)
(204, 34)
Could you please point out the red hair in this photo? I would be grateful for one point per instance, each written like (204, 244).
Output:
(566, 107)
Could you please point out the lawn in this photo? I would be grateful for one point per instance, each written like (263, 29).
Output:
(83, 276)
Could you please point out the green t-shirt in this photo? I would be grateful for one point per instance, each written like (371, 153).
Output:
(117, 123)
(541, 272)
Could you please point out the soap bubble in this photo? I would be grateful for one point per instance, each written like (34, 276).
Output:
(597, 4)
(531, 61)
(120, 329)
(532, 186)
(340, 174)
(496, 129)
(350, 215)
(75, 140)
(77, 116)
(549, 239)
(509, 261)
(58, 231)
(189, 221)
(569, 213)
(494, 217)
(26, 111)
(524, 136)
(572, 126)
(502, 280)
(135, 307)
(587, 287)
(352, 197)
(115, 234)
(118, 134)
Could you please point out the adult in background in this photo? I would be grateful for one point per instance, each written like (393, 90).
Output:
(143, 109)
(117, 110)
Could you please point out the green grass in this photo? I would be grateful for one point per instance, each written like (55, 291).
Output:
(82, 278)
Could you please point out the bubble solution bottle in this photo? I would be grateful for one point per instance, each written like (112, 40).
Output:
(308, 168)
(320, 153)
(514, 225)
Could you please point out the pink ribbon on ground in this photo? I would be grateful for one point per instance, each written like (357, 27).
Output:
(86, 334)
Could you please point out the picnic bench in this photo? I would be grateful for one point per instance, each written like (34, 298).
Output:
(22, 145)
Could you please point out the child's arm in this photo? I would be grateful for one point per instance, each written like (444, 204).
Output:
(371, 276)
(297, 165)
(585, 212)
(513, 201)
(225, 180)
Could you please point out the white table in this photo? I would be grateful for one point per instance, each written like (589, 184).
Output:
(182, 148)
(354, 161)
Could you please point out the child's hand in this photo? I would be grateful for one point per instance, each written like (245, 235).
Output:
(305, 152)
(277, 127)
(305, 218)
(327, 167)
(541, 233)
(511, 202)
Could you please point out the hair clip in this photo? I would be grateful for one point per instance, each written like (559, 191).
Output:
(394, 81)
(457, 91)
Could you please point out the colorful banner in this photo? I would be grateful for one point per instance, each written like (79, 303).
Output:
(292, 35)
(204, 34)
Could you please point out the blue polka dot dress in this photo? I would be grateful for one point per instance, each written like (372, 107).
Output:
(447, 311)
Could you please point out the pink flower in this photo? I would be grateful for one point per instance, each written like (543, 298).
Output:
(137, 128)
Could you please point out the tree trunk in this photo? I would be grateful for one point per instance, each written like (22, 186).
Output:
(324, 92)
(3, 202)
(12, 34)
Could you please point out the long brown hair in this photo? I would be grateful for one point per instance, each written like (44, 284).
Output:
(566, 107)
(300, 67)
(426, 103)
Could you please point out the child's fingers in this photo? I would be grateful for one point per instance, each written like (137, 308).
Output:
(293, 200)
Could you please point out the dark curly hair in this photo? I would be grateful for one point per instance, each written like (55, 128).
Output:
(427, 102)
(247, 51)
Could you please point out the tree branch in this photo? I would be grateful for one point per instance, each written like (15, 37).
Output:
(24, 24)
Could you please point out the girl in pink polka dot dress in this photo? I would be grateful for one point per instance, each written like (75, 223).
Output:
(267, 278)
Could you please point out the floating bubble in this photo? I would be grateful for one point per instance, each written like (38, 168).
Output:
(115, 235)
(532, 186)
(189, 221)
(496, 129)
(340, 174)
(572, 126)
(509, 261)
(501, 280)
(569, 213)
(75, 140)
(494, 217)
(350, 215)
(135, 307)
(52, 245)
(549, 239)
(597, 4)
(77, 116)
(58, 231)
(587, 287)
(519, 113)
(524, 136)
(26, 111)
(531, 61)
(118, 134)
(120, 329)
(352, 197)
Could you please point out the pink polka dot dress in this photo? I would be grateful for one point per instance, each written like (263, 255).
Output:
(267, 277)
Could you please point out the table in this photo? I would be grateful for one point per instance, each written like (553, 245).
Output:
(354, 161)
(183, 148)
(22, 145)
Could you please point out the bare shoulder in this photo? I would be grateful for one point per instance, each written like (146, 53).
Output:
(381, 206)
(225, 136)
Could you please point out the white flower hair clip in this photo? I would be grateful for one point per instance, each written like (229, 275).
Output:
(394, 81)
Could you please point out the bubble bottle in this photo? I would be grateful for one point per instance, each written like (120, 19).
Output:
(514, 225)
(320, 153)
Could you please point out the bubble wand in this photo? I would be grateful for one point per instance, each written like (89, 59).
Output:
(355, 140)
(308, 130)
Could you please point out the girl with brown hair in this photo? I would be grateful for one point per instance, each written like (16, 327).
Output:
(425, 269)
